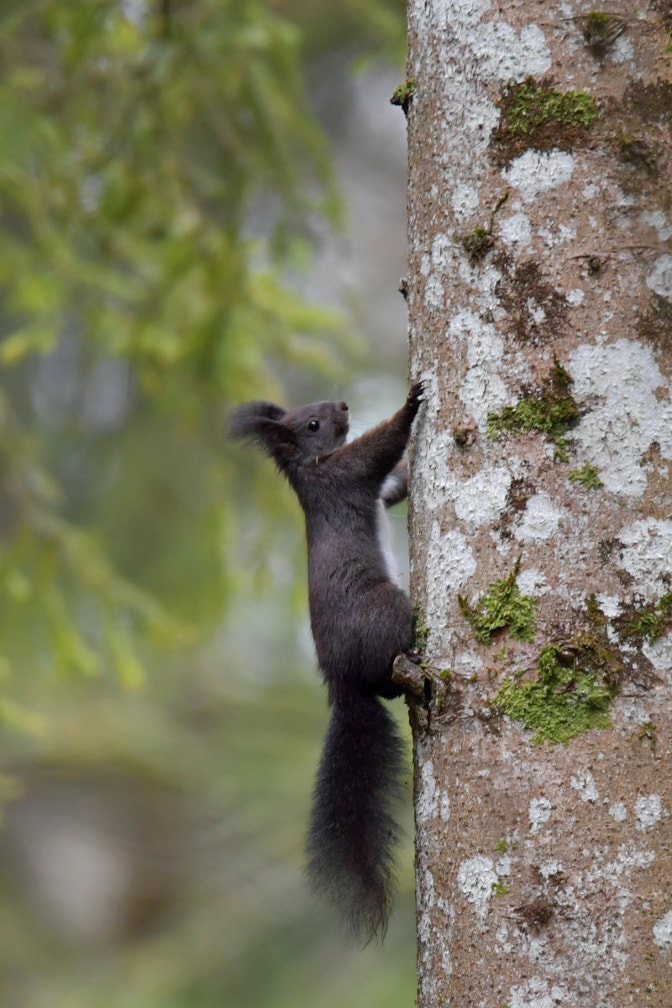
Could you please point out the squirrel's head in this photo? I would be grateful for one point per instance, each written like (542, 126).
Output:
(308, 432)
(317, 428)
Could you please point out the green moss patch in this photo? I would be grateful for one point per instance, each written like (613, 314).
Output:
(503, 607)
(538, 115)
(647, 623)
(648, 732)
(403, 94)
(550, 409)
(478, 243)
(562, 702)
(586, 476)
(529, 107)
(420, 630)
(577, 679)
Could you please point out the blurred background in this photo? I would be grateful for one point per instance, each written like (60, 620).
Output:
(202, 202)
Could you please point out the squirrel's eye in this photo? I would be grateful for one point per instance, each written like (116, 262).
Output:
(313, 425)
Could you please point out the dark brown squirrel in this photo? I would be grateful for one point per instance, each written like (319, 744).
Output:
(360, 621)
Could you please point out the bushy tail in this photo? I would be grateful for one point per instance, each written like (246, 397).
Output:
(352, 832)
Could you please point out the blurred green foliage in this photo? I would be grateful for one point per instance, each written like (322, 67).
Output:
(139, 144)
(161, 175)
(364, 27)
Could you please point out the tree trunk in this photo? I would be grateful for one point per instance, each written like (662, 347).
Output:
(540, 299)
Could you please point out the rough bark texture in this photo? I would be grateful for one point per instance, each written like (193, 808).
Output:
(540, 299)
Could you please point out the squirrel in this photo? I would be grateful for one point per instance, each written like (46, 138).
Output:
(360, 621)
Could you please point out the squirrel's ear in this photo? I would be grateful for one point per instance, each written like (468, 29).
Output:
(253, 420)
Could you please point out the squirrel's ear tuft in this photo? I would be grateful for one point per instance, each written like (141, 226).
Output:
(251, 420)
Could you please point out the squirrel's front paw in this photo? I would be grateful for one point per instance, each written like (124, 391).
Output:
(415, 394)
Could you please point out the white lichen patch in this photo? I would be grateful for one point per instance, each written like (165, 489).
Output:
(647, 555)
(467, 663)
(635, 712)
(662, 932)
(660, 277)
(619, 870)
(537, 993)
(426, 888)
(464, 13)
(575, 297)
(453, 556)
(482, 389)
(434, 480)
(584, 783)
(609, 604)
(434, 266)
(516, 231)
(537, 172)
(550, 868)
(481, 499)
(503, 866)
(488, 279)
(657, 220)
(434, 292)
(539, 520)
(648, 810)
(464, 201)
(501, 52)
(620, 381)
(463, 102)
(475, 879)
(443, 253)
(593, 905)
(532, 582)
(536, 311)
(623, 50)
(505, 54)
(539, 812)
(660, 654)
(501, 937)
(618, 812)
(432, 802)
(558, 236)
(450, 558)
(428, 800)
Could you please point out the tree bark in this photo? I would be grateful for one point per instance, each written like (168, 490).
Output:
(540, 301)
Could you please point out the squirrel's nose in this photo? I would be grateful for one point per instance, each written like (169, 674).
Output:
(343, 406)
